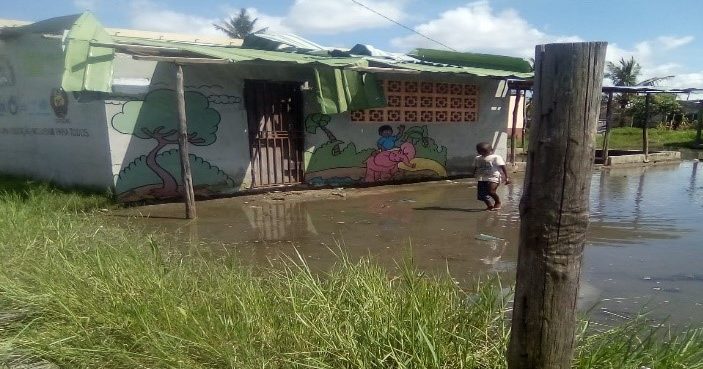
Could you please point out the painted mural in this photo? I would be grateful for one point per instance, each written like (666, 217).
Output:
(157, 173)
(404, 154)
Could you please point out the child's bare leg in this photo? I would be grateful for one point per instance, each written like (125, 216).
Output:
(494, 195)
(489, 205)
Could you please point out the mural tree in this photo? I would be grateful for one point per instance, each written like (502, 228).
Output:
(319, 120)
(156, 119)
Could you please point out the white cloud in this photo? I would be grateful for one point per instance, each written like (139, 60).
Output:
(336, 16)
(477, 27)
(654, 63)
(150, 16)
(671, 42)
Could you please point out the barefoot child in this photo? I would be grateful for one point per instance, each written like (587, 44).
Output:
(489, 169)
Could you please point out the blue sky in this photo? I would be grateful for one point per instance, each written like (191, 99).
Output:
(665, 37)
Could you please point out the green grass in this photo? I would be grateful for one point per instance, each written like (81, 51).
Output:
(629, 138)
(94, 295)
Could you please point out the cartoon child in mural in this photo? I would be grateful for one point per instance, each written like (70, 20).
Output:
(388, 141)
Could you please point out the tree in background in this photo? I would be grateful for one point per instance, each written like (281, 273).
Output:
(624, 73)
(238, 26)
(663, 108)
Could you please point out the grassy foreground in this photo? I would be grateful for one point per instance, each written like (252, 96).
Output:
(86, 294)
(630, 138)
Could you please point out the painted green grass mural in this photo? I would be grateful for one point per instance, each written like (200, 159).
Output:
(329, 155)
(137, 181)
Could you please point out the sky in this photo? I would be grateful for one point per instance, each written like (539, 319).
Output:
(665, 37)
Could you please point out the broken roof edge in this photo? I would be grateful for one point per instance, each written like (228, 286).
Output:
(427, 68)
(234, 54)
(472, 60)
(53, 26)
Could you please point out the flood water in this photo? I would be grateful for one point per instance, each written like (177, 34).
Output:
(644, 251)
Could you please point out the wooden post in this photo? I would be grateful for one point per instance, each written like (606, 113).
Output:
(554, 208)
(186, 176)
(608, 119)
(699, 128)
(524, 125)
(645, 129)
(513, 132)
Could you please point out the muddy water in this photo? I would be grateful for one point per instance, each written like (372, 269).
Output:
(645, 243)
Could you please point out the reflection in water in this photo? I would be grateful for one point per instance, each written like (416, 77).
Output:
(644, 237)
(279, 221)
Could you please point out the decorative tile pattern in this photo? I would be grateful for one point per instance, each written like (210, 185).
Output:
(426, 102)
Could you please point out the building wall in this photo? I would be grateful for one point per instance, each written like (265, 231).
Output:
(336, 149)
(142, 126)
(433, 149)
(65, 142)
(520, 116)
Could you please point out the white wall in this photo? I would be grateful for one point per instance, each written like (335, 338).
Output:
(34, 141)
(460, 139)
(223, 163)
(520, 115)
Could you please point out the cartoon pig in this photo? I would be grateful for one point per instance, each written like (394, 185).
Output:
(383, 165)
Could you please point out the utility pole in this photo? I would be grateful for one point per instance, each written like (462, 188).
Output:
(554, 208)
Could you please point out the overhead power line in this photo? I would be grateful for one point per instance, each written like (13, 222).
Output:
(359, 3)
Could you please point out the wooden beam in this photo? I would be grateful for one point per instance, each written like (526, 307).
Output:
(135, 47)
(645, 129)
(386, 70)
(186, 176)
(513, 130)
(181, 60)
(699, 129)
(554, 209)
(608, 120)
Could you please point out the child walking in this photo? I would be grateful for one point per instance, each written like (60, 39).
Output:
(489, 169)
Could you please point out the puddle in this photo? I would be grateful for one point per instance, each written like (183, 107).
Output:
(644, 245)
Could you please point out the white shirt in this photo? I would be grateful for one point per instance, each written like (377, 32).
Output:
(488, 168)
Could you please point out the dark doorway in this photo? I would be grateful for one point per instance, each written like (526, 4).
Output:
(275, 115)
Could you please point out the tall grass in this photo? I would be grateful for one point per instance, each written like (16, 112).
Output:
(88, 294)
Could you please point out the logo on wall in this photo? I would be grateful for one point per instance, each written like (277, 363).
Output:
(59, 102)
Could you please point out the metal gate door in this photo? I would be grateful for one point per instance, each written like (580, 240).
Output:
(275, 115)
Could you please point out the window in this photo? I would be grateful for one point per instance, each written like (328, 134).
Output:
(424, 102)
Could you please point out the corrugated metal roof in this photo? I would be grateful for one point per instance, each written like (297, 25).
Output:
(453, 69)
(239, 55)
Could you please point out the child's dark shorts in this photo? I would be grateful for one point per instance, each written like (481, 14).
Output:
(484, 190)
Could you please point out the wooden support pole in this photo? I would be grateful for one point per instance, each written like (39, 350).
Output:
(645, 129)
(608, 120)
(524, 125)
(699, 129)
(554, 208)
(513, 131)
(186, 176)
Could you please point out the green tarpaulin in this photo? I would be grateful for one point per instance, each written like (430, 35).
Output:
(344, 90)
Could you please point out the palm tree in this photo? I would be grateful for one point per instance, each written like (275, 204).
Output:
(624, 73)
(238, 26)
